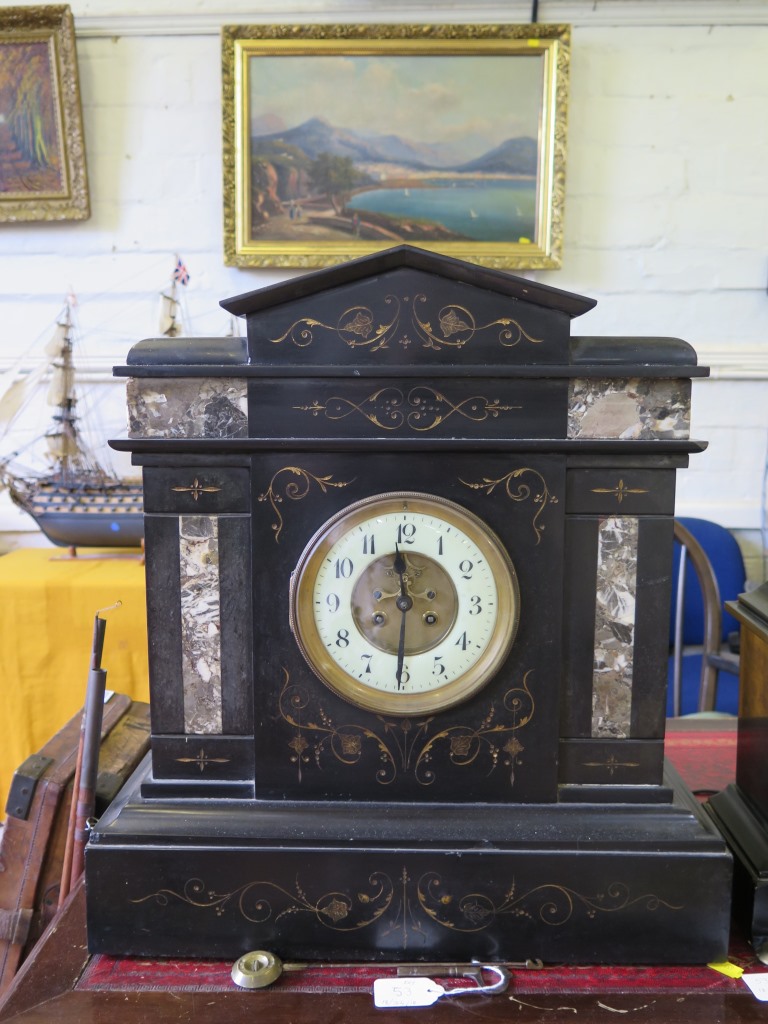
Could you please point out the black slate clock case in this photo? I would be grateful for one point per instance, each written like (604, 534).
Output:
(535, 819)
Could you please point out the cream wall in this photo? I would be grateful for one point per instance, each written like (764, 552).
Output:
(666, 217)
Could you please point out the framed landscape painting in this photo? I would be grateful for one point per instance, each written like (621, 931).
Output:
(42, 154)
(343, 140)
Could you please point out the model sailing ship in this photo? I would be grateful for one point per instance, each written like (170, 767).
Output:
(76, 501)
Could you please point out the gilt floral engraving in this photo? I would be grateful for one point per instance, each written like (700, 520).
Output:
(264, 900)
(421, 409)
(196, 489)
(450, 327)
(620, 491)
(517, 489)
(294, 483)
(550, 903)
(407, 746)
(611, 765)
(403, 910)
(202, 760)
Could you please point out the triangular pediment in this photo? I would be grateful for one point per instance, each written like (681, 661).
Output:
(409, 257)
(408, 307)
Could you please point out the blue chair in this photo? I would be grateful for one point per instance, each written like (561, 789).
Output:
(698, 620)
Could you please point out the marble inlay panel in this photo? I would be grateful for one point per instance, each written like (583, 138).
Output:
(200, 623)
(614, 626)
(634, 409)
(187, 407)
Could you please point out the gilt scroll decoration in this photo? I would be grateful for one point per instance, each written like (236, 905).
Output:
(295, 485)
(420, 409)
(407, 746)
(362, 327)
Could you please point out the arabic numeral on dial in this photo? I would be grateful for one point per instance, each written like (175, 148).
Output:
(333, 601)
(465, 568)
(463, 641)
(406, 533)
(440, 544)
(342, 638)
(438, 668)
(367, 659)
(477, 607)
(406, 675)
(369, 544)
(344, 568)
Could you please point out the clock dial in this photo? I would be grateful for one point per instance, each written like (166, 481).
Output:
(434, 601)
(404, 603)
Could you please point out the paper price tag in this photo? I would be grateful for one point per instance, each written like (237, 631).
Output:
(406, 992)
(759, 985)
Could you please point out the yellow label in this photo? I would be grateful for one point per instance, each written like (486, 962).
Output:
(729, 969)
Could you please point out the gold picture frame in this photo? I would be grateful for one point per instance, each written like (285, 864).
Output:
(42, 151)
(343, 140)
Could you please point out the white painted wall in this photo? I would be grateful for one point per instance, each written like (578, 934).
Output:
(666, 219)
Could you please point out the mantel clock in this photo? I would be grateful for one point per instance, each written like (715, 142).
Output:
(408, 552)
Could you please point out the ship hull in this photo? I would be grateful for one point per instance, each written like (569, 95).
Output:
(84, 516)
(92, 530)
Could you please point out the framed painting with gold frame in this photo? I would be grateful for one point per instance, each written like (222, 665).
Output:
(42, 153)
(343, 140)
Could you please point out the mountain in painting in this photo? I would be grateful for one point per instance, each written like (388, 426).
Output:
(421, 155)
(315, 136)
(515, 156)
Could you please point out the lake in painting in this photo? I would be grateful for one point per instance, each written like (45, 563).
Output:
(484, 211)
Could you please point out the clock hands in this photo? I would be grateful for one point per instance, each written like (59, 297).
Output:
(413, 571)
(401, 652)
(404, 602)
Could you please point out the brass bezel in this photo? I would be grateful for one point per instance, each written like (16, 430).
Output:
(240, 43)
(348, 687)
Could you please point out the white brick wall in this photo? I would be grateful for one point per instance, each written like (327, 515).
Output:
(666, 219)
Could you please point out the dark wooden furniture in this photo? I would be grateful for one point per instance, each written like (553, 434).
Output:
(741, 810)
(33, 838)
(530, 819)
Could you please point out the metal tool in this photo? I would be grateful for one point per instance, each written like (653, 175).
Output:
(257, 969)
(419, 990)
(471, 970)
(260, 968)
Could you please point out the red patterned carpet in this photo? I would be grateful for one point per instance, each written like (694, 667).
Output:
(707, 761)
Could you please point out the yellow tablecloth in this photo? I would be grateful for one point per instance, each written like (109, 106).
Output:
(47, 608)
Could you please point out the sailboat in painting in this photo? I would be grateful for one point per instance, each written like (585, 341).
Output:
(75, 500)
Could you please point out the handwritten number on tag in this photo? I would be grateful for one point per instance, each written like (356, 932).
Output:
(406, 992)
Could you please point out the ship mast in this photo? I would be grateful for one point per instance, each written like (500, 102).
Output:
(170, 325)
(71, 461)
(170, 307)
